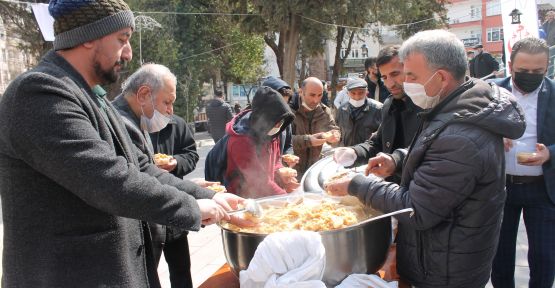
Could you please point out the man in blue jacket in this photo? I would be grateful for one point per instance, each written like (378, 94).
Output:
(530, 178)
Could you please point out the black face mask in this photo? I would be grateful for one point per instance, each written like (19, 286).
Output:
(527, 82)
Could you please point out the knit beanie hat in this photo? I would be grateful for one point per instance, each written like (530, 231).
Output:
(80, 21)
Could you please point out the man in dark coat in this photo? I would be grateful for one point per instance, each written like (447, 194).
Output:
(72, 183)
(157, 82)
(360, 116)
(219, 113)
(531, 181)
(399, 116)
(483, 64)
(376, 87)
(453, 175)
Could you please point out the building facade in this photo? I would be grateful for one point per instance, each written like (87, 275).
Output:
(13, 60)
(477, 22)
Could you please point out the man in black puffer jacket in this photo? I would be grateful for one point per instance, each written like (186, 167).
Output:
(453, 175)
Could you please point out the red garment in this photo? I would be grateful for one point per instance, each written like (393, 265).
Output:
(256, 170)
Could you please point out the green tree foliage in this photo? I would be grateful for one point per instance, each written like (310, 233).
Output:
(419, 13)
(301, 27)
(197, 48)
(288, 19)
(424, 14)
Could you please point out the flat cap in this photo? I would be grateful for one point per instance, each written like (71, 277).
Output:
(356, 83)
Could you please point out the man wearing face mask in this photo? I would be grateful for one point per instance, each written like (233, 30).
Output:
(453, 171)
(312, 121)
(146, 106)
(530, 178)
(399, 117)
(376, 88)
(254, 167)
(360, 117)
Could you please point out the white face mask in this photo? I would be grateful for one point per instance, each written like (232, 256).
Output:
(417, 93)
(308, 108)
(158, 121)
(357, 103)
(275, 130)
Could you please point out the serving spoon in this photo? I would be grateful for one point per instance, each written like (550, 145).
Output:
(406, 210)
(252, 207)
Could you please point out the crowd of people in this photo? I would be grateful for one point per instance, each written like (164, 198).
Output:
(86, 203)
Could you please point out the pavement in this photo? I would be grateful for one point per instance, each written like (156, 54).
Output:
(206, 247)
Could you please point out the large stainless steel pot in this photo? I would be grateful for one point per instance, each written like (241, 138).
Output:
(356, 249)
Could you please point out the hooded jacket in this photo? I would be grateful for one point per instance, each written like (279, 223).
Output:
(286, 137)
(253, 157)
(219, 113)
(454, 179)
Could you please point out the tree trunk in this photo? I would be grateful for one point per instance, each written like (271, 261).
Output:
(303, 72)
(271, 42)
(290, 48)
(338, 62)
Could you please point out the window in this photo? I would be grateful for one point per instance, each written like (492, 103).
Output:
(477, 35)
(475, 12)
(495, 34)
(493, 7)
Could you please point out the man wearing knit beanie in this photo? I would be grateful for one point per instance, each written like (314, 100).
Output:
(77, 24)
(76, 193)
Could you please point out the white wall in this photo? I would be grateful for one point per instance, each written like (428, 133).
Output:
(464, 11)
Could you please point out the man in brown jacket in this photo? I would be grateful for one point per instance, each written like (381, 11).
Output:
(313, 121)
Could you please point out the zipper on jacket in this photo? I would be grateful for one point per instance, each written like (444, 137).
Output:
(310, 118)
(420, 251)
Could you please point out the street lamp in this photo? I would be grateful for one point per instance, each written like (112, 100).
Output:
(148, 23)
(515, 16)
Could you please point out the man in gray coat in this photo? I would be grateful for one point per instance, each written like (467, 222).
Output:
(72, 183)
(453, 174)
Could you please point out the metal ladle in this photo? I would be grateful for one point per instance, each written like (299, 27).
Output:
(406, 210)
